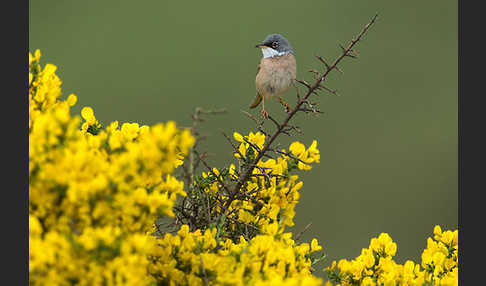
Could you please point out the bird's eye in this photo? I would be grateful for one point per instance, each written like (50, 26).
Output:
(275, 45)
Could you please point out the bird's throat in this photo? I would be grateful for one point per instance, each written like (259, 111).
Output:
(270, 53)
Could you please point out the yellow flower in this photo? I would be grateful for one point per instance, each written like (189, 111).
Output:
(37, 55)
(88, 115)
(271, 229)
(315, 246)
(298, 149)
(238, 137)
(314, 153)
(31, 59)
(437, 230)
(368, 281)
(391, 249)
(447, 237)
(130, 130)
(367, 257)
(35, 227)
(257, 138)
(72, 100)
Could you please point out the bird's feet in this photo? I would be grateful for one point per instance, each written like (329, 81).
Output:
(287, 107)
(264, 114)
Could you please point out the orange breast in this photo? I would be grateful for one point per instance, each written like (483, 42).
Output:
(275, 75)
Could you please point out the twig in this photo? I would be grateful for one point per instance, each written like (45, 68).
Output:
(304, 83)
(237, 151)
(212, 172)
(328, 67)
(196, 118)
(292, 127)
(252, 145)
(302, 231)
(247, 224)
(274, 121)
(328, 89)
(287, 154)
(259, 124)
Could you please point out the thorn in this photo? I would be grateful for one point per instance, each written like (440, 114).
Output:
(329, 90)
(316, 73)
(303, 82)
(324, 62)
(342, 47)
(352, 53)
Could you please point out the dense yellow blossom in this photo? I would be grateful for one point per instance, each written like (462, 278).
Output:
(274, 186)
(95, 193)
(264, 254)
(264, 260)
(375, 265)
(251, 144)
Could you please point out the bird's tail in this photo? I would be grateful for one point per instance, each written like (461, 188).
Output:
(256, 101)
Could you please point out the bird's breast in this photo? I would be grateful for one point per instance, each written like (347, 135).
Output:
(276, 75)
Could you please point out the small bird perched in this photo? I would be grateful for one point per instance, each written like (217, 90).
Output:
(276, 71)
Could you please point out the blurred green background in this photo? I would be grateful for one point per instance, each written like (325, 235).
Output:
(388, 144)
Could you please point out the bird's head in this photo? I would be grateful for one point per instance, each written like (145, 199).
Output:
(275, 45)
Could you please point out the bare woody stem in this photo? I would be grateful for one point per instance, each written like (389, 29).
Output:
(346, 52)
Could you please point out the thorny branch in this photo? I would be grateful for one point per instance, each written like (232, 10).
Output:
(311, 89)
(196, 119)
(199, 209)
(187, 210)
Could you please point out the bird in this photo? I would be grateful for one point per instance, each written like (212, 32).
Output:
(276, 71)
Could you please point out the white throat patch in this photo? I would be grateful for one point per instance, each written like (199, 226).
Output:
(270, 53)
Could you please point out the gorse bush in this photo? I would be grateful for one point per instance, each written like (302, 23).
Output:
(96, 193)
(375, 265)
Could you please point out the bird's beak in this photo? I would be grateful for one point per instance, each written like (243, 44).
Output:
(261, 46)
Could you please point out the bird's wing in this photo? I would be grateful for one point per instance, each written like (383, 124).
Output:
(258, 97)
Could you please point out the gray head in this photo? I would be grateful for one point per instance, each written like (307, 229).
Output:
(276, 42)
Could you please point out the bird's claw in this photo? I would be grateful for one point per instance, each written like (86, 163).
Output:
(288, 109)
(264, 114)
